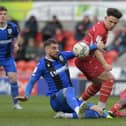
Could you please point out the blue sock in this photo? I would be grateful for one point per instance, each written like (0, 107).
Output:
(14, 91)
(75, 116)
(71, 98)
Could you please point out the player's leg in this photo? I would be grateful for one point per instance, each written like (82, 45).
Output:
(91, 90)
(104, 83)
(94, 70)
(90, 111)
(66, 115)
(74, 115)
(67, 101)
(115, 109)
(11, 73)
(58, 102)
(90, 68)
(106, 87)
(73, 102)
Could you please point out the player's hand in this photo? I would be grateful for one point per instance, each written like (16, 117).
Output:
(107, 67)
(21, 98)
(101, 46)
(16, 47)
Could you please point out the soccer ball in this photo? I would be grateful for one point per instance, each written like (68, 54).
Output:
(81, 49)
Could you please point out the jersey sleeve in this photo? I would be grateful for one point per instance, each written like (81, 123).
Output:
(15, 30)
(35, 76)
(68, 54)
(96, 34)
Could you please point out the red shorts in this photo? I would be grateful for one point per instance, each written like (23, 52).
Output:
(90, 66)
(123, 94)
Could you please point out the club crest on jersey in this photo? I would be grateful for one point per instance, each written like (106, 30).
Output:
(53, 73)
(61, 58)
(9, 31)
(48, 65)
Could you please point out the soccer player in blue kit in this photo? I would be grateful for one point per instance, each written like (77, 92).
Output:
(8, 31)
(54, 69)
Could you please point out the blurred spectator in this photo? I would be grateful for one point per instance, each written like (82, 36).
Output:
(49, 29)
(119, 42)
(40, 52)
(20, 54)
(60, 38)
(31, 50)
(82, 28)
(30, 28)
(95, 19)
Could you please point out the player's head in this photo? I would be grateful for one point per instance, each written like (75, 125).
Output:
(3, 14)
(112, 18)
(51, 48)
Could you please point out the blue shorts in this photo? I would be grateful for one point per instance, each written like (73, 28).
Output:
(91, 113)
(58, 102)
(8, 64)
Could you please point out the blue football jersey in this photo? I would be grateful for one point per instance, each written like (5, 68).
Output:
(7, 35)
(55, 72)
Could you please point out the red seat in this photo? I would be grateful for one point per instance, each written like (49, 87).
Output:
(30, 65)
(21, 65)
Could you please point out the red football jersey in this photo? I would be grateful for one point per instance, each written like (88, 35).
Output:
(90, 65)
(96, 34)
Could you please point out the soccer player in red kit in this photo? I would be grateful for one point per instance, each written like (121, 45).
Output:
(119, 108)
(94, 66)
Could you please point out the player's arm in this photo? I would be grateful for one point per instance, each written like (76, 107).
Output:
(35, 76)
(17, 37)
(68, 54)
(97, 46)
(99, 55)
(98, 37)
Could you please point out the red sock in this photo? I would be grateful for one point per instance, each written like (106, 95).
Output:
(120, 114)
(116, 107)
(105, 90)
(90, 91)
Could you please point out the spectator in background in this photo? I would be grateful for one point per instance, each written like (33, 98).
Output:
(119, 42)
(82, 28)
(31, 50)
(60, 38)
(20, 54)
(30, 28)
(49, 29)
(95, 19)
(40, 52)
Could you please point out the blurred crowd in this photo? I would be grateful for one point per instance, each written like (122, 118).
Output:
(31, 38)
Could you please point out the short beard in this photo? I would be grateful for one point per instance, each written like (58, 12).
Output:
(54, 58)
(2, 24)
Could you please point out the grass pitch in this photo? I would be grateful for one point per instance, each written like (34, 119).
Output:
(37, 112)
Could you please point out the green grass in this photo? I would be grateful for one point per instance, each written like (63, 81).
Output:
(37, 112)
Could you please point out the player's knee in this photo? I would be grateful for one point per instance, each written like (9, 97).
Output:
(70, 91)
(110, 77)
(12, 79)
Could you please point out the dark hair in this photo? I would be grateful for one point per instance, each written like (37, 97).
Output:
(2, 8)
(114, 12)
(49, 42)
